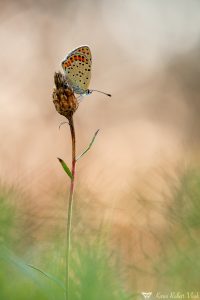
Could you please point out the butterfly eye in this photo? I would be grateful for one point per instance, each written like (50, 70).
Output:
(88, 92)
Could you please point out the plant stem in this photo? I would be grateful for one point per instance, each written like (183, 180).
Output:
(70, 204)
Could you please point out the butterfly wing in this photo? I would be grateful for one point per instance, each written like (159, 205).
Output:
(85, 50)
(77, 67)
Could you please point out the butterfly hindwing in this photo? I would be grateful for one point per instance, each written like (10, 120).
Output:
(77, 67)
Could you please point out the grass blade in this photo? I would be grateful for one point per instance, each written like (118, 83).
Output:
(65, 168)
(90, 145)
(50, 276)
(8, 257)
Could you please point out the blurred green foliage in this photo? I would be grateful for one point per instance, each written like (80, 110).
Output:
(93, 275)
(181, 268)
(95, 272)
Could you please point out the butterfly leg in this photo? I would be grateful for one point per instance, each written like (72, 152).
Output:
(80, 98)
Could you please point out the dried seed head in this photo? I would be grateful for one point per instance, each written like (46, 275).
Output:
(63, 97)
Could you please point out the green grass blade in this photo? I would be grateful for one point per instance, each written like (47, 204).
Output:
(90, 145)
(50, 276)
(65, 167)
(8, 257)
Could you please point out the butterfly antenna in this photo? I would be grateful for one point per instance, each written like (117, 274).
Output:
(109, 95)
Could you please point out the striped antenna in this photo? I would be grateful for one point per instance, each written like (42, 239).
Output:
(109, 95)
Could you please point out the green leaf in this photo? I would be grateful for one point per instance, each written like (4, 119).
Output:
(50, 276)
(65, 168)
(90, 145)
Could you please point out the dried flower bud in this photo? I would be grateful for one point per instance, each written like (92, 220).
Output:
(63, 97)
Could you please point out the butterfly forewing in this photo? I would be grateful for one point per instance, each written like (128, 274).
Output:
(77, 67)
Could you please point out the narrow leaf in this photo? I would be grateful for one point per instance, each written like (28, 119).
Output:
(50, 276)
(65, 167)
(90, 145)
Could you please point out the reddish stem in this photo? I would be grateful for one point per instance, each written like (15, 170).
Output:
(70, 203)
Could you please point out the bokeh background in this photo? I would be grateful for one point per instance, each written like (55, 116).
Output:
(141, 177)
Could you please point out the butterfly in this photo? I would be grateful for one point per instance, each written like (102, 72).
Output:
(77, 67)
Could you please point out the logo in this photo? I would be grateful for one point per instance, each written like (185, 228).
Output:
(146, 295)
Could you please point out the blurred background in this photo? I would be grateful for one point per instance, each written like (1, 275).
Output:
(141, 178)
